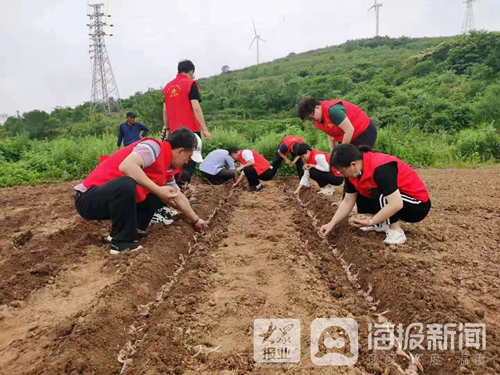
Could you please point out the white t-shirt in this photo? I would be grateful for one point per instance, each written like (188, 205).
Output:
(247, 155)
(321, 165)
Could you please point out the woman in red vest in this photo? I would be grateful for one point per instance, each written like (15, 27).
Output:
(285, 148)
(317, 167)
(382, 185)
(342, 121)
(133, 183)
(254, 166)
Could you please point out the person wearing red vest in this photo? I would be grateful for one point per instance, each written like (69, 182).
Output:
(133, 183)
(288, 146)
(382, 185)
(254, 166)
(317, 167)
(342, 121)
(182, 106)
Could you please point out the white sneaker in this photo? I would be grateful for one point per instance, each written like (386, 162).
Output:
(376, 228)
(159, 218)
(327, 190)
(395, 237)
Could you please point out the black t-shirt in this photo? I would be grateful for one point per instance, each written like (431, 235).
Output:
(385, 176)
(194, 94)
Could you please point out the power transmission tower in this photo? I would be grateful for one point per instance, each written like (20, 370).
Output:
(468, 23)
(377, 15)
(104, 90)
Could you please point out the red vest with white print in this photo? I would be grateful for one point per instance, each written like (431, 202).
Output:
(179, 108)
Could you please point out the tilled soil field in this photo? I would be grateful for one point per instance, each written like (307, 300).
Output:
(187, 302)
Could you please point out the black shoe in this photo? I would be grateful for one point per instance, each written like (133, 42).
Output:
(120, 247)
(259, 187)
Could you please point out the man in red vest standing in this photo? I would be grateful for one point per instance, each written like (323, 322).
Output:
(133, 183)
(254, 166)
(342, 121)
(182, 106)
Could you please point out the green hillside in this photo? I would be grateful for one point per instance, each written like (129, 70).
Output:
(436, 102)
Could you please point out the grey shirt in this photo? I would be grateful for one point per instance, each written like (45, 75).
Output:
(215, 161)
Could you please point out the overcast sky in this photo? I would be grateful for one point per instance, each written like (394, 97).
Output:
(45, 61)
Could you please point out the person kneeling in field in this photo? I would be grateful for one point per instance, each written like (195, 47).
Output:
(288, 145)
(317, 167)
(213, 169)
(382, 185)
(133, 183)
(254, 166)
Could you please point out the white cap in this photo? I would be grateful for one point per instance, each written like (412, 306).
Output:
(197, 157)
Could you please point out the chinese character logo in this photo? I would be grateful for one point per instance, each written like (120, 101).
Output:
(334, 342)
(276, 340)
(174, 91)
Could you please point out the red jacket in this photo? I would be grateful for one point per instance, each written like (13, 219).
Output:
(157, 172)
(179, 108)
(289, 140)
(409, 182)
(261, 164)
(312, 160)
(358, 118)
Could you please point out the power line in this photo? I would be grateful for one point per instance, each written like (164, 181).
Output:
(103, 81)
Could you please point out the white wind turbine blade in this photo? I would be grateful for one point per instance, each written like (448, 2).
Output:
(253, 40)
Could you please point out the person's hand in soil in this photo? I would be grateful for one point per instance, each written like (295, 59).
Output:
(189, 190)
(201, 225)
(325, 229)
(361, 223)
(167, 193)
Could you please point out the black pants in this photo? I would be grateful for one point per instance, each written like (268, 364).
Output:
(413, 210)
(368, 137)
(115, 201)
(223, 176)
(325, 178)
(188, 170)
(184, 177)
(278, 160)
(253, 178)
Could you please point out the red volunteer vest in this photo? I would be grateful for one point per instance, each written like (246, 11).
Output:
(358, 118)
(409, 182)
(179, 108)
(289, 140)
(157, 172)
(312, 160)
(261, 164)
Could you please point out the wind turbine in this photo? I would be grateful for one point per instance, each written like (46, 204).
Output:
(256, 38)
(377, 12)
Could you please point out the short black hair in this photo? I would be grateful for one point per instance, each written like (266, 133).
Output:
(303, 148)
(232, 150)
(344, 154)
(185, 66)
(182, 138)
(306, 107)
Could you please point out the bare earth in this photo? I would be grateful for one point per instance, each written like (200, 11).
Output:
(186, 304)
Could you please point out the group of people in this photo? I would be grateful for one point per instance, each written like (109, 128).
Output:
(147, 175)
